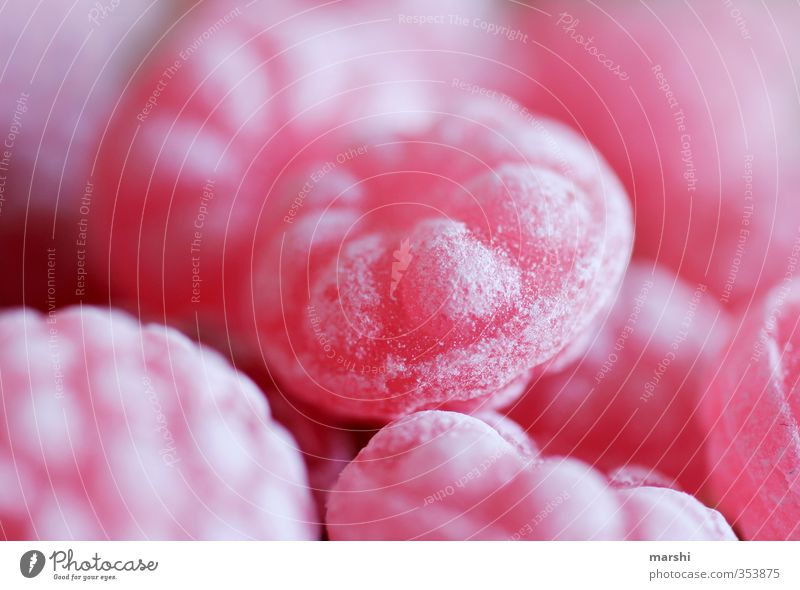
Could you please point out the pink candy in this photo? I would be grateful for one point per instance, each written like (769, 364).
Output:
(438, 266)
(212, 119)
(634, 396)
(753, 413)
(111, 431)
(430, 282)
(440, 475)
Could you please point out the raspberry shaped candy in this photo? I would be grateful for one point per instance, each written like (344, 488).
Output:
(753, 414)
(113, 431)
(437, 266)
(445, 476)
(228, 99)
(635, 395)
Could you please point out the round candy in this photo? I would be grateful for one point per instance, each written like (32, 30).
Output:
(230, 97)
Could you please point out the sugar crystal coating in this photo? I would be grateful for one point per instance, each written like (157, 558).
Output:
(228, 98)
(436, 267)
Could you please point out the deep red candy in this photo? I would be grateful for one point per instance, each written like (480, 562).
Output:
(231, 96)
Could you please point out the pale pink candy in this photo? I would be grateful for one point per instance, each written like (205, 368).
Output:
(111, 431)
(437, 266)
(441, 475)
(753, 413)
(634, 397)
(695, 107)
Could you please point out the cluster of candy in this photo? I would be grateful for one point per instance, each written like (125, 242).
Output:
(460, 270)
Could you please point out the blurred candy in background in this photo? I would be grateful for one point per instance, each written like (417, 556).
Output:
(64, 67)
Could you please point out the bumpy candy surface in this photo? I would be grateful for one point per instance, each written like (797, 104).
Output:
(440, 475)
(402, 271)
(635, 396)
(753, 414)
(112, 431)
